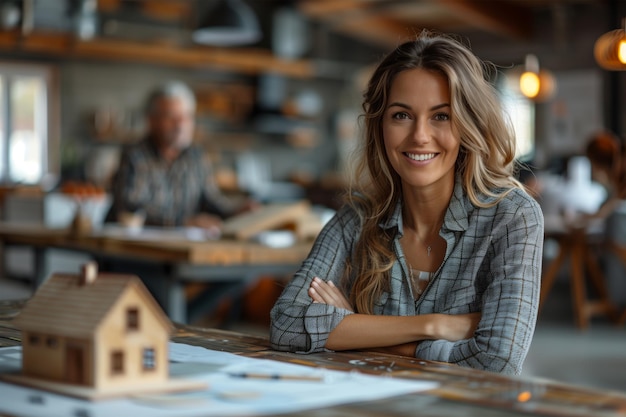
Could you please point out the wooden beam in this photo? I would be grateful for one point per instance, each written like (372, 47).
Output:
(503, 18)
(242, 60)
(330, 8)
(380, 30)
(384, 22)
(358, 19)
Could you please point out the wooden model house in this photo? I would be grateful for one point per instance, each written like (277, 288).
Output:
(102, 332)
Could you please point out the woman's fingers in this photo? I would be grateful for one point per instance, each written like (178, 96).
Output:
(315, 296)
(326, 292)
(323, 290)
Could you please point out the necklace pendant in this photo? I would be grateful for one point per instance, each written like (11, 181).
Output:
(428, 248)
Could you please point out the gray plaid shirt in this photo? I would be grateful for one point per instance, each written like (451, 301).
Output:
(492, 265)
(167, 193)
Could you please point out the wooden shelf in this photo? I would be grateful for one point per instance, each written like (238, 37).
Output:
(242, 60)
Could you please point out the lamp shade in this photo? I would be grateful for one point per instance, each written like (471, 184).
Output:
(539, 86)
(536, 84)
(610, 50)
(229, 23)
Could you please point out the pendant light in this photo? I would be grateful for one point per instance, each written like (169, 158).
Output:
(535, 83)
(610, 49)
(229, 23)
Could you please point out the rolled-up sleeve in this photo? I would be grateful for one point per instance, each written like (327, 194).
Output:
(298, 324)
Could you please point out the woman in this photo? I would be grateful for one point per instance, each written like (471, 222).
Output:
(438, 252)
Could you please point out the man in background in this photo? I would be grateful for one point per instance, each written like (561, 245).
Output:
(164, 177)
(168, 180)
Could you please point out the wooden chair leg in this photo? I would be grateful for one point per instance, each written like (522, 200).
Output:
(577, 277)
(620, 252)
(598, 280)
(550, 275)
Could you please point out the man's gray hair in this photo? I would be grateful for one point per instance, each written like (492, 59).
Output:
(171, 89)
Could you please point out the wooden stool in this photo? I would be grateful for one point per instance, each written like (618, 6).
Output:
(620, 251)
(574, 244)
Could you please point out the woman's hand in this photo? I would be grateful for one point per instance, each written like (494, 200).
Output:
(455, 327)
(326, 292)
(405, 349)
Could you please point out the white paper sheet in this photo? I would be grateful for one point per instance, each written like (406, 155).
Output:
(226, 395)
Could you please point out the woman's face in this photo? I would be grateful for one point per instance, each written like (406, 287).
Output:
(419, 136)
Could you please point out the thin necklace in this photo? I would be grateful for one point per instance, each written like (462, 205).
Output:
(429, 247)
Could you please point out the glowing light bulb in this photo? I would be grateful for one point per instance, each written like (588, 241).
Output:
(529, 84)
(621, 51)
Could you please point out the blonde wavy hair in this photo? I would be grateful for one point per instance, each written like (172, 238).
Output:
(486, 159)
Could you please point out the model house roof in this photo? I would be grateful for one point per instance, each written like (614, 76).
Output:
(69, 305)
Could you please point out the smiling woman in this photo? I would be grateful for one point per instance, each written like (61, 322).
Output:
(437, 252)
(419, 136)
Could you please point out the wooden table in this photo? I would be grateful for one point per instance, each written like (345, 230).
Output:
(461, 391)
(180, 259)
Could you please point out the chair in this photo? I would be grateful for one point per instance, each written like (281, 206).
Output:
(576, 245)
(620, 252)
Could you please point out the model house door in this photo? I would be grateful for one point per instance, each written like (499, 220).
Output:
(75, 364)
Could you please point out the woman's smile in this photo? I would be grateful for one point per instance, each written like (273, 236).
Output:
(421, 157)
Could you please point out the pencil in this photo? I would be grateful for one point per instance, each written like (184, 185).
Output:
(277, 377)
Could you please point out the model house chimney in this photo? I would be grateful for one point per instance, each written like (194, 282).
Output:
(88, 273)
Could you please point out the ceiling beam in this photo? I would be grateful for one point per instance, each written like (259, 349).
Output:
(379, 30)
(329, 8)
(505, 19)
(379, 21)
(358, 19)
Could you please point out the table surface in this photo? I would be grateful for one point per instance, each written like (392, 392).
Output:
(180, 258)
(461, 391)
(163, 245)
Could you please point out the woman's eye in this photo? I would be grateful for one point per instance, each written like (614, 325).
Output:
(400, 115)
(442, 117)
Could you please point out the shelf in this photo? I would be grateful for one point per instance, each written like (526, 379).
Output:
(243, 60)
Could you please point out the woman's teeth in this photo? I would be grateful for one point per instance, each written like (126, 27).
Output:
(421, 157)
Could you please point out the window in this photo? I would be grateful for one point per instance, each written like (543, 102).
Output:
(132, 319)
(27, 144)
(149, 363)
(117, 362)
(521, 111)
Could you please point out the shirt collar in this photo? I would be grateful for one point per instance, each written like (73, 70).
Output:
(456, 218)
(150, 144)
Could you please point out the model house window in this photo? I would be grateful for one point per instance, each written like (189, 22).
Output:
(117, 362)
(28, 146)
(33, 340)
(149, 362)
(52, 342)
(132, 318)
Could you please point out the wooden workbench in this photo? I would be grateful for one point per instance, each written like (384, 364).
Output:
(177, 258)
(460, 391)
